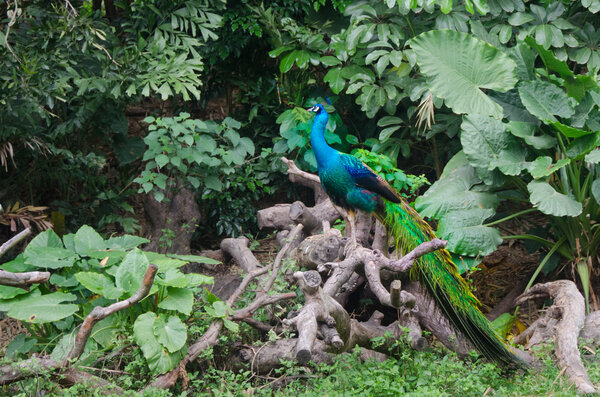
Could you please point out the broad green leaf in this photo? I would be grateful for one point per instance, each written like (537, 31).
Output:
(466, 234)
(130, 272)
(172, 278)
(510, 161)
(526, 131)
(87, 239)
(335, 79)
(583, 145)
(571, 132)
(171, 334)
(545, 100)
(19, 346)
(441, 56)
(483, 139)
(213, 182)
(8, 292)
(7, 304)
(196, 279)
(125, 242)
(49, 257)
(596, 190)
(452, 191)
(106, 330)
(47, 238)
(44, 308)
(287, 62)
(159, 359)
(330, 61)
(550, 202)
(593, 157)
(542, 166)
(195, 259)
(178, 299)
(99, 284)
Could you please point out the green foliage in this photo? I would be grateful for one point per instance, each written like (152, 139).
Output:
(88, 271)
(188, 152)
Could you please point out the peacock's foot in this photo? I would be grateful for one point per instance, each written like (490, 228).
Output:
(351, 246)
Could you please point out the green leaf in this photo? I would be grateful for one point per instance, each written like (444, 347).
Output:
(106, 330)
(503, 324)
(49, 257)
(130, 272)
(520, 18)
(593, 157)
(8, 292)
(545, 100)
(330, 61)
(178, 299)
(571, 132)
(125, 242)
(526, 131)
(542, 166)
(287, 62)
(550, 202)
(172, 278)
(196, 259)
(171, 334)
(159, 359)
(213, 182)
(335, 80)
(99, 284)
(483, 139)
(161, 160)
(441, 55)
(46, 239)
(452, 191)
(596, 190)
(583, 145)
(19, 346)
(466, 234)
(87, 239)
(196, 279)
(44, 308)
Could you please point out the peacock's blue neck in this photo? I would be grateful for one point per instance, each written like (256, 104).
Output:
(323, 152)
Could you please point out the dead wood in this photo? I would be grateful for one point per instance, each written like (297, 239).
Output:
(14, 241)
(300, 213)
(296, 175)
(320, 249)
(507, 303)
(237, 248)
(591, 328)
(180, 215)
(276, 217)
(36, 365)
(562, 323)
(23, 280)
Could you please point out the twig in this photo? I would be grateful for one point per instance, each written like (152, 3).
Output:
(98, 313)
(23, 280)
(13, 19)
(14, 241)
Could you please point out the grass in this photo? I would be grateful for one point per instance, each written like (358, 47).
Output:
(434, 372)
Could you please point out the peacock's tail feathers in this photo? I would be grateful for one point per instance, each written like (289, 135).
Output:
(440, 276)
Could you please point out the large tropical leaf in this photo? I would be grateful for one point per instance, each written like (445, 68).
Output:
(551, 202)
(459, 67)
(466, 234)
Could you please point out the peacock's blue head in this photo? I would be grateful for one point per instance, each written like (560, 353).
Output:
(318, 109)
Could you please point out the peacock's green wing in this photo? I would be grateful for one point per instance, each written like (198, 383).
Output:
(366, 178)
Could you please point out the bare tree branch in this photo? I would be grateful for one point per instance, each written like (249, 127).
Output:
(14, 241)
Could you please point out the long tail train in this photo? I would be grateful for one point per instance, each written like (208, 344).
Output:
(440, 276)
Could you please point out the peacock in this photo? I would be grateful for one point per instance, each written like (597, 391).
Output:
(352, 185)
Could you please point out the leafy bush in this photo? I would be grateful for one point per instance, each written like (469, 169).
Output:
(89, 271)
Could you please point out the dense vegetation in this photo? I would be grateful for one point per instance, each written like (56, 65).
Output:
(105, 103)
